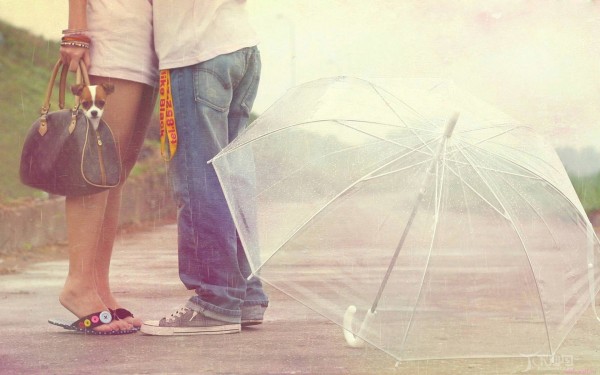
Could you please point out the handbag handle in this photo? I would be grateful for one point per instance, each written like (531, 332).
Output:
(81, 75)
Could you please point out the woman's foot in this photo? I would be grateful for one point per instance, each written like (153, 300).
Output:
(85, 301)
(122, 314)
(126, 315)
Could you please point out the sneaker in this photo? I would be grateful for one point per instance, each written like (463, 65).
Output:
(252, 315)
(186, 321)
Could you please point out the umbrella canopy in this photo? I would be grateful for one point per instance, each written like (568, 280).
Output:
(454, 236)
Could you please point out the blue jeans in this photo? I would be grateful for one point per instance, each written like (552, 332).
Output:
(212, 102)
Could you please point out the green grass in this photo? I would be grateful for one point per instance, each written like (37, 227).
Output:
(25, 65)
(588, 191)
(26, 62)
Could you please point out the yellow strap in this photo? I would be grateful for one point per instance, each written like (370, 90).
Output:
(168, 130)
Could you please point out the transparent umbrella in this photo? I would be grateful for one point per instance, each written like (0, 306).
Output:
(425, 233)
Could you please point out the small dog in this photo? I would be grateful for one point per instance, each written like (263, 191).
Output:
(93, 98)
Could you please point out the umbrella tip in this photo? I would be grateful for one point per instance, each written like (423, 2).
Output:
(451, 124)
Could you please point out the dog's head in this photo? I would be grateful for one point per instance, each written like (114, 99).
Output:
(93, 98)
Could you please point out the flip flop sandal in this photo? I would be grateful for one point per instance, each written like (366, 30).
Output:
(122, 314)
(87, 324)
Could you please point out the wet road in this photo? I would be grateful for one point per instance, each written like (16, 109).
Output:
(292, 340)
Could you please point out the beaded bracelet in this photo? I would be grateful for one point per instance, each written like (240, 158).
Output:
(74, 31)
(77, 38)
(75, 44)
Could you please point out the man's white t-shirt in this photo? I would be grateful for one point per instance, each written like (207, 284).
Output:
(187, 32)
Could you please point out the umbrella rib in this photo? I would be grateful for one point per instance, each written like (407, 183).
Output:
(523, 246)
(476, 145)
(581, 216)
(291, 173)
(591, 278)
(536, 175)
(366, 178)
(497, 135)
(411, 149)
(232, 147)
(381, 138)
(493, 126)
(465, 183)
(535, 210)
(336, 197)
(378, 92)
(438, 198)
(464, 193)
(488, 139)
(433, 130)
(537, 213)
(439, 153)
(467, 146)
(473, 189)
(532, 177)
(491, 137)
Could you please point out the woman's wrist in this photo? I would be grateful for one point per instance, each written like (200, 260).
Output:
(77, 15)
(75, 38)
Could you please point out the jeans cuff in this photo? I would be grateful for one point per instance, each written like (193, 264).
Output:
(264, 303)
(206, 311)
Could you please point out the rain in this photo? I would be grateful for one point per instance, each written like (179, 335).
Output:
(535, 62)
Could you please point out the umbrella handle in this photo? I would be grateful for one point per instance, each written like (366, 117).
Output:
(355, 341)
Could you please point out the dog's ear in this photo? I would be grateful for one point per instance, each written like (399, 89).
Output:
(109, 88)
(77, 89)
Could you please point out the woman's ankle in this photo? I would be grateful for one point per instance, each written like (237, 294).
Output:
(80, 297)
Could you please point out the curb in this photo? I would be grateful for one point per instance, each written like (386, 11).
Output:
(146, 198)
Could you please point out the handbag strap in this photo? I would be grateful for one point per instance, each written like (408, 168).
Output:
(81, 72)
(80, 75)
(62, 86)
(46, 106)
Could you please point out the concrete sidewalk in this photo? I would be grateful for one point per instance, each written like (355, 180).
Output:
(292, 340)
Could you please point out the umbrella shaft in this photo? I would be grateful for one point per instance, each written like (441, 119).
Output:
(397, 252)
(447, 134)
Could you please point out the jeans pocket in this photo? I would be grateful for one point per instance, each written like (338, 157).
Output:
(253, 77)
(211, 90)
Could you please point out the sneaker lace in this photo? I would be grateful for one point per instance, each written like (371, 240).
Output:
(177, 314)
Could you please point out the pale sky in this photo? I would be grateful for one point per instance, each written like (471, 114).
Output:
(537, 60)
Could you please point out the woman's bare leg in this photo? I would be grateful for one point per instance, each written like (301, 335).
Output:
(92, 220)
(128, 111)
(84, 222)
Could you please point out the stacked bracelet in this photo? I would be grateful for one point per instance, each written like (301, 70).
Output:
(74, 31)
(75, 44)
(75, 38)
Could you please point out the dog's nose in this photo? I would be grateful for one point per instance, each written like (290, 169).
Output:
(94, 113)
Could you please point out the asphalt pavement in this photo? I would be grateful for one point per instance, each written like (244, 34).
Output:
(292, 340)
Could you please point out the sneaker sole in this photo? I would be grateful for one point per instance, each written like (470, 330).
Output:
(186, 331)
(246, 323)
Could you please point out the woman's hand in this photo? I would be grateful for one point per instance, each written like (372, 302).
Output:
(72, 56)
(77, 24)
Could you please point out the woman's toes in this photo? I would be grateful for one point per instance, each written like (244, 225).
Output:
(105, 328)
(122, 325)
(136, 322)
(115, 325)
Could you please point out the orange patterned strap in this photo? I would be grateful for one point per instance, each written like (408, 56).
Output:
(168, 130)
